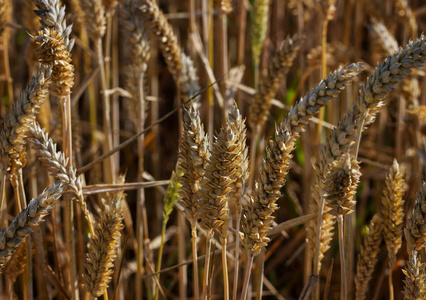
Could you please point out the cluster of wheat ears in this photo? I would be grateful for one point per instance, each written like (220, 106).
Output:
(131, 95)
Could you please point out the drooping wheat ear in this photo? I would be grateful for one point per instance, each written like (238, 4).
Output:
(31, 216)
(184, 76)
(52, 16)
(15, 125)
(410, 87)
(415, 233)
(223, 5)
(58, 166)
(392, 210)
(372, 97)
(257, 217)
(94, 18)
(167, 39)
(340, 185)
(192, 162)
(415, 278)
(270, 81)
(367, 257)
(321, 94)
(327, 221)
(259, 25)
(103, 248)
(52, 52)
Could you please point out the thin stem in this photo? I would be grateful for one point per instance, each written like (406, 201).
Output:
(318, 243)
(109, 166)
(237, 253)
(252, 158)
(391, 292)
(343, 291)
(358, 137)
(7, 68)
(247, 275)
(209, 235)
(225, 272)
(195, 261)
(323, 67)
(160, 254)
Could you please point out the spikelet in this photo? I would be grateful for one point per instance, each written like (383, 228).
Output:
(392, 210)
(415, 233)
(340, 185)
(30, 217)
(52, 52)
(327, 221)
(15, 125)
(220, 175)
(281, 62)
(103, 248)
(94, 18)
(415, 278)
(192, 161)
(224, 6)
(367, 257)
(52, 16)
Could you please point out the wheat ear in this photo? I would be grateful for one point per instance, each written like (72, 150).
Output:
(58, 166)
(367, 257)
(392, 212)
(415, 277)
(415, 233)
(280, 64)
(31, 216)
(340, 185)
(103, 248)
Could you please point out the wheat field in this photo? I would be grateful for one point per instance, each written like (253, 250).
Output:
(212, 149)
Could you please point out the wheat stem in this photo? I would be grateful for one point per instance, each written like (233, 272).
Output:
(209, 236)
(343, 291)
(195, 261)
(225, 272)
(237, 252)
(247, 274)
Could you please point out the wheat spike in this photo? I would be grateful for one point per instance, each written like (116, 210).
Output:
(94, 18)
(367, 257)
(415, 233)
(192, 162)
(15, 125)
(52, 52)
(415, 278)
(257, 217)
(327, 221)
(340, 185)
(52, 16)
(392, 210)
(31, 216)
(280, 64)
(259, 22)
(103, 248)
